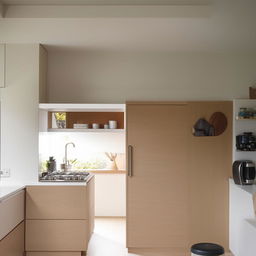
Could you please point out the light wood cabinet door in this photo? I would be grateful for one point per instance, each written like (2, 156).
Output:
(56, 202)
(56, 235)
(178, 192)
(11, 212)
(53, 254)
(13, 243)
(157, 191)
(2, 65)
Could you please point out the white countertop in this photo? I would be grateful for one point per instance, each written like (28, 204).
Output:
(251, 189)
(8, 189)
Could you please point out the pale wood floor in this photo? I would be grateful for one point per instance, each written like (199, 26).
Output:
(109, 238)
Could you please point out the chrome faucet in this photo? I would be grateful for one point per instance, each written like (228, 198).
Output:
(66, 162)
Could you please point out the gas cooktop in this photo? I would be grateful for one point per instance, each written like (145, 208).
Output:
(65, 177)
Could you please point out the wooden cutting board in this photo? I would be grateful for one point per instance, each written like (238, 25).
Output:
(219, 121)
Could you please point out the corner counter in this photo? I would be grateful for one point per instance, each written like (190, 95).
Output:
(242, 219)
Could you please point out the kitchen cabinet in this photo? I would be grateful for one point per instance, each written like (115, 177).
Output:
(59, 218)
(56, 202)
(53, 254)
(11, 212)
(157, 210)
(12, 225)
(57, 235)
(2, 65)
(13, 243)
(177, 184)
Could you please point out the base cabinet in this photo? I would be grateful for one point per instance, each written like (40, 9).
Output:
(13, 243)
(56, 235)
(53, 254)
(59, 219)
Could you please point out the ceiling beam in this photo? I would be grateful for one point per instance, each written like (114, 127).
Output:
(117, 11)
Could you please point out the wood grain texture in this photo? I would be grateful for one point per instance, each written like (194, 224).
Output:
(13, 243)
(179, 192)
(108, 172)
(53, 254)
(56, 202)
(56, 235)
(11, 212)
(157, 195)
(210, 162)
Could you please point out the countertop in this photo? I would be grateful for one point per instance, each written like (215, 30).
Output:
(7, 190)
(251, 189)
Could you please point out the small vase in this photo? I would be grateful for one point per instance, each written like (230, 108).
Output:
(114, 166)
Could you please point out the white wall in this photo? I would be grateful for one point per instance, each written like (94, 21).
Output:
(89, 147)
(98, 76)
(110, 195)
(19, 113)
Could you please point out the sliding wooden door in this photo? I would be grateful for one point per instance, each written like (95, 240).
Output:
(157, 182)
(177, 184)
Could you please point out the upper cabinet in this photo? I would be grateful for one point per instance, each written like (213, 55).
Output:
(2, 65)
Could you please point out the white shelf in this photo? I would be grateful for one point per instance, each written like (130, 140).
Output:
(88, 130)
(83, 107)
(245, 119)
(240, 126)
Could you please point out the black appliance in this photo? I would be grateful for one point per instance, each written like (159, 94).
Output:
(244, 172)
(246, 142)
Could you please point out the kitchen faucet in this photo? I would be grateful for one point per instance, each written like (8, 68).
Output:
(66, 162)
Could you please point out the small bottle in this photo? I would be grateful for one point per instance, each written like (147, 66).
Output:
(51, 165)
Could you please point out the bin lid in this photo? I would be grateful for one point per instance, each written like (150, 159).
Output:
(207, 249)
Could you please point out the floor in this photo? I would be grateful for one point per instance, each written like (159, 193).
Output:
(109, 238)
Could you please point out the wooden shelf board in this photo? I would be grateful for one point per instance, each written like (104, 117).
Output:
(108, 171)
(245, 119)
(87, 130)
(245, 151)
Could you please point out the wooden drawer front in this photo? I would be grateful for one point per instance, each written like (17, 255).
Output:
(11, 212)
(56, 202)
(13, 243)
(56, 235)
(53, 254)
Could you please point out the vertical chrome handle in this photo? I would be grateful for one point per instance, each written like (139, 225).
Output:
(130, 161)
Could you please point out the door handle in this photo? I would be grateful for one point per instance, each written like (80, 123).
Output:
(130, 161)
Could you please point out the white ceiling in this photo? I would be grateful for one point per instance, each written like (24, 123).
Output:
(229, 27)
(104, 2)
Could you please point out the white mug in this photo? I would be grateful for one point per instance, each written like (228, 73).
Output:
(112, 124)
(95, 126)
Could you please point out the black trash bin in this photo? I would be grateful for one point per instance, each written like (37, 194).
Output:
(207, 249)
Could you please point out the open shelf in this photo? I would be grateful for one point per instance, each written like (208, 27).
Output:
(88, 114)
(86, 130)
(245, 119)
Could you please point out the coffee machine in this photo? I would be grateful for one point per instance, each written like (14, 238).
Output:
(244, 172)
